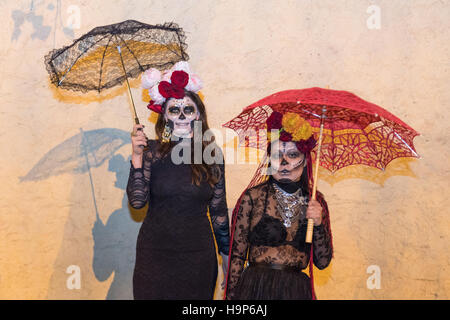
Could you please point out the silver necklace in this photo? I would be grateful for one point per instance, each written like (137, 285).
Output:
(289, 204)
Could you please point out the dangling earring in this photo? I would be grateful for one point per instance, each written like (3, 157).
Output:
(167, 133)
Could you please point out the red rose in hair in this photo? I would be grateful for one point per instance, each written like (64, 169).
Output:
(285, 136)
(306, 146)
(274, 121)
(154, 107)
(179, 78)
(169, 90)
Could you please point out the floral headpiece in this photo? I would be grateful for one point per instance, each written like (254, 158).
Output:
(291, 127)
(170, 84)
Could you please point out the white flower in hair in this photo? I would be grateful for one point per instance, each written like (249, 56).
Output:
(150, 78)
(181, 66)
(155, 95)
(166, 76)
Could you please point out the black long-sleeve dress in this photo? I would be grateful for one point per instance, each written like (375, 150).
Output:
(175, 251)
(276, 254)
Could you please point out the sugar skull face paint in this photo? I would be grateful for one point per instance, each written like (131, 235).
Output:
(181, 114)
(286, 161)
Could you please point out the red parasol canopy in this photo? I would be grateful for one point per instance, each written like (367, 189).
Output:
(355, 131)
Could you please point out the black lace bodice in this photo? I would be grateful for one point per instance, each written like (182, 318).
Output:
(261, 236)
(168, 189)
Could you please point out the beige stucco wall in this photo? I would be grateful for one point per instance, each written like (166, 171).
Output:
(243, 51)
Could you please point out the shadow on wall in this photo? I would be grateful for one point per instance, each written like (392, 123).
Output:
(91, 251)
(105, 253)
(115, 242)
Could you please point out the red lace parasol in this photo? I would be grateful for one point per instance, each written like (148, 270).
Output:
(355, 131)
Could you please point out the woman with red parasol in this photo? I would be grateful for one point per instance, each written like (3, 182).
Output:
(348, 131)
(271, 221)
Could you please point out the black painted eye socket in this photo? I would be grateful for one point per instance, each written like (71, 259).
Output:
(189, 110)
(174, 110)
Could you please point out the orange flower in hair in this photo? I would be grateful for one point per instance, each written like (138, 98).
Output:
(303, 132)
(291, 122)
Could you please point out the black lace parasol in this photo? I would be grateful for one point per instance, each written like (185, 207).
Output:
(107, 55)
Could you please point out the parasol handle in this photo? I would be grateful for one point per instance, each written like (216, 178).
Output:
(309, 230)
(130, 96)
(136, 120)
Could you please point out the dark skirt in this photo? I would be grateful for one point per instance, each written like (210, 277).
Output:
(273, 282)
(169, 275)
(175, 262)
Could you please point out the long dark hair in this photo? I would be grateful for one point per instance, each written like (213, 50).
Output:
(199, 171)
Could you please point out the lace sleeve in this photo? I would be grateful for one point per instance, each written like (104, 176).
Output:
(322, 248)
(139, 182)
(218, 211)
(239, 244)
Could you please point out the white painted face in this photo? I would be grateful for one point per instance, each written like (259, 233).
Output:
(181, 114)
(287, 161)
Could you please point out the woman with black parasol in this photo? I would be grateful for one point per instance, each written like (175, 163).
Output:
(175, 253)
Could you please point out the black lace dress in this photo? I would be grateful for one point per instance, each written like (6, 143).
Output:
(276, 254)
(175, 250)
